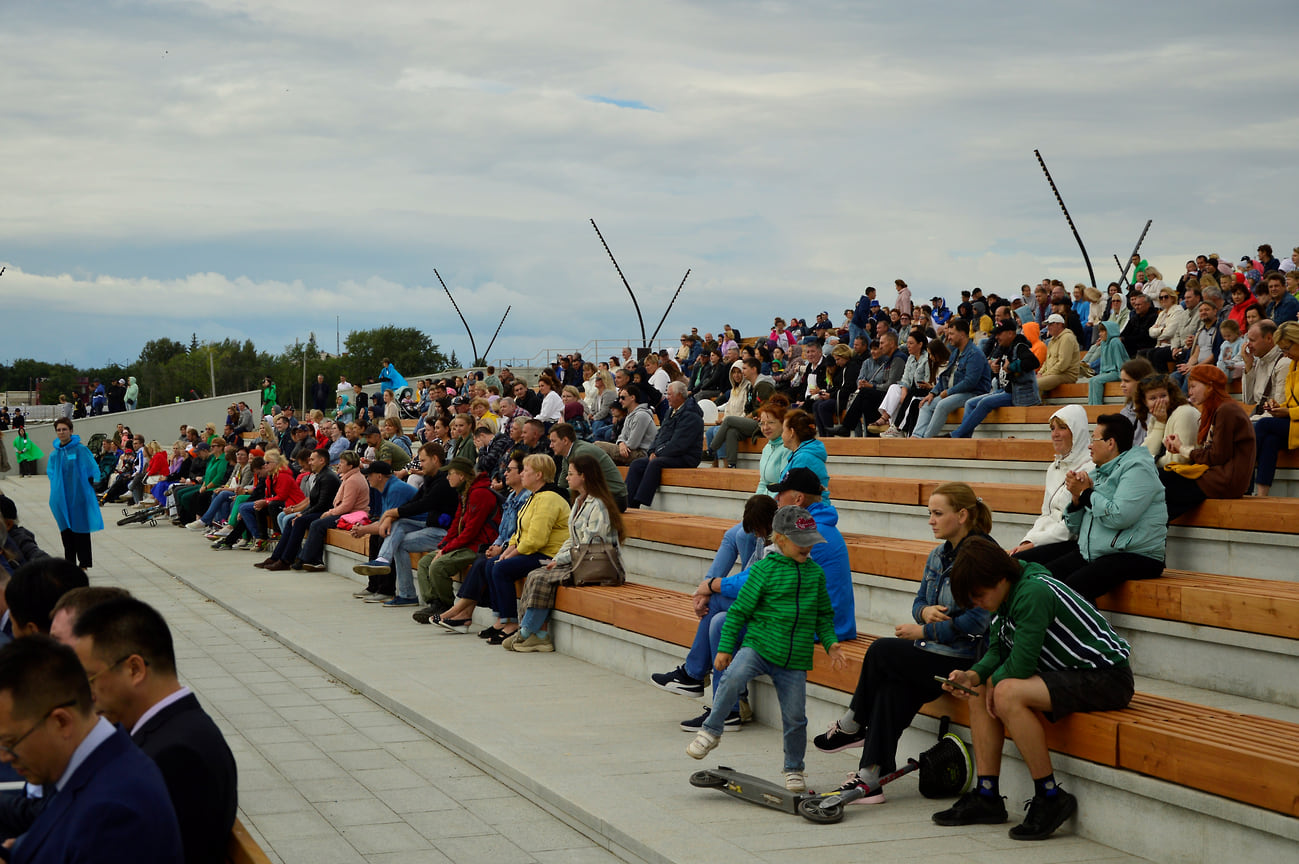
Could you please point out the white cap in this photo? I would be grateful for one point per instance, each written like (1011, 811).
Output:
(1055, 318)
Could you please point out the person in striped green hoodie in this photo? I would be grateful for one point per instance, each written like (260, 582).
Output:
(784, 604)
(1049, 651)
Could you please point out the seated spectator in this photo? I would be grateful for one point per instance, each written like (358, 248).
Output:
(112, 803)
(194, 498)
(240, 482)
(969, 376)
(1162, 408)
(675, 446)
(1222, 454)
(1014, 369)
(1135, 335)
(551, 409)
(1033, 333)
(897, 675)
(323, 498)
(1050, 536)
(1050, 653)
(34, 590)
(491, 450)
(126, 649)
(18, 545)
(351, 495)
(885, 367)
(594, 517)
(716, 594)
(565, 445)
(1279, 429)
(387, 492)
(831, 398)
(1115, 513)
(1061, 365)
(708, 379)
(1112, 357)
(281, 490)
(1131, 374)
(472, 528)
(419, 524)
(740, 422)
(806, 450)
(1202, 344)
(902, 401)
(1281, 306)
(1231, 358)
(392, 432)
(1242, 300)
(383, 450)
(1266, 367)
(602, 397)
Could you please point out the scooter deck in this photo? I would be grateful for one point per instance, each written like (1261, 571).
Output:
(746, 787)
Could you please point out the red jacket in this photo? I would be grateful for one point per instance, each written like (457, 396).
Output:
(477, 518)
(283, 486)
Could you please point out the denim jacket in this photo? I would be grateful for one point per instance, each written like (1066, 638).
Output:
(964, 635)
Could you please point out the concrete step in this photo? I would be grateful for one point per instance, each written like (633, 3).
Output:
(1226, 662)
(1205, 550)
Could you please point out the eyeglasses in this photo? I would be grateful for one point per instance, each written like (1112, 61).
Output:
(9, 749)
(110, 667)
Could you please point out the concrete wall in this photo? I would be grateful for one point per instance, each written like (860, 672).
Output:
(161, 423)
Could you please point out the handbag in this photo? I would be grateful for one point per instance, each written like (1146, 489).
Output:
(597, 563)
(1190, 470)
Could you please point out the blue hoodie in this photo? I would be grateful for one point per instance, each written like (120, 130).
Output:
(811, 455)
(832, 556)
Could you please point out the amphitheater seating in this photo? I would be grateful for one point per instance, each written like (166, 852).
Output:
(243, 849)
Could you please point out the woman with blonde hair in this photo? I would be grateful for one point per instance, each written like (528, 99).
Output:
(1280, 429)
(897, 674)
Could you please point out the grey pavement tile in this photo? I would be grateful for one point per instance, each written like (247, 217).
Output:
(472, 788)
(359, 760)
(417, 800)
(255, 780)
(481, 849)
(332, 789)
(310, 769)
(445, 767)
(256, 802)
(392, 777)
(349, 741)
(449, 822)
(300, 713)
(283, 734)
(277, 827)
(586, 855)
(507, 809)
(415, 856)
(284, 751)
(395, 837)
(315, 729)
(364, 811)
(541, 835)
(321, 850)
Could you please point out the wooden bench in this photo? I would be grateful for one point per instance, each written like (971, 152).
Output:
(1079, 390)
(1262, 606)
(1250, 759)
(243, 849)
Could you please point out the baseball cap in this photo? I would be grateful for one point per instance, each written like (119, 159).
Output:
(1006, 327)
(1055, 318)
(461, 464)
(378, 467)
(798, 480)
(798, 525)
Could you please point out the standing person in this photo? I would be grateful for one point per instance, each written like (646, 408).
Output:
(132, 393)
(903, 304)
(322, 394)
(27, 452)
(268, 397)
(5, 466)
(72, 470)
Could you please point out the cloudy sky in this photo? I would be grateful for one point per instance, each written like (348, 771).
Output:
(254, 168)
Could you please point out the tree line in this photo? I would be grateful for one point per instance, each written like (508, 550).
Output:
(168, 369)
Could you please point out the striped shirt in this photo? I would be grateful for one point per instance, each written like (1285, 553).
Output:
(1044, 624)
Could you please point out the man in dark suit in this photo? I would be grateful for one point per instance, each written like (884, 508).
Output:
(111, 805)
(126, 649)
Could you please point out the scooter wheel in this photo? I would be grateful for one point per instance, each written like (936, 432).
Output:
(812, 810)
(127, 521)
(707, 780)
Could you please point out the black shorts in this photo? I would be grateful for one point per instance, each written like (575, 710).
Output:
(1074, 690)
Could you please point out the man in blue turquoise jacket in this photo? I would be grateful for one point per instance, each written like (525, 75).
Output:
(969, 376)
(798, 488)
(1118, 513)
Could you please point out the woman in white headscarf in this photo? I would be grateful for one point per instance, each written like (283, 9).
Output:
(1050, 538)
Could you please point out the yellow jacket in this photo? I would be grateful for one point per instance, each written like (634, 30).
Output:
(543, 524)
(1291, 402)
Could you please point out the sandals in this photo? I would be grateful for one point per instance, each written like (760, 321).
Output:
(499, 636)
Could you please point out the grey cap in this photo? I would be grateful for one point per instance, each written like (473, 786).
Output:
(798, 525)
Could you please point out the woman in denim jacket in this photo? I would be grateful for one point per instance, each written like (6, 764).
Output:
(897, 674)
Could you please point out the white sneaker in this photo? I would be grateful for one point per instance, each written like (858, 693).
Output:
(795, 781)
(893, 432)
(703, 744)
(196, 525)
(244, 544)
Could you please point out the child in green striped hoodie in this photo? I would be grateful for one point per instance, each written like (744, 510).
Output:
(783, 604)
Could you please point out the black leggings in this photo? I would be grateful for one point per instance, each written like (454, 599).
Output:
(1094, 578)
(1181, 494)
(76, 548)
(896, 680)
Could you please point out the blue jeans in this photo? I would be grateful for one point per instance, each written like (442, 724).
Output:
(408, 535)
(791, 690)
(1273, 436)
(219, 509)
(601, 430)
(933, 416)
(1096, 386)
(978, 407)
(707, 637)
(854, 331)
(737, 544)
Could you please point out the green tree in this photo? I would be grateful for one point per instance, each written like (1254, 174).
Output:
(409, 349)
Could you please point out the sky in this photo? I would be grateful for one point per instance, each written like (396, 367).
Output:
(263, 169)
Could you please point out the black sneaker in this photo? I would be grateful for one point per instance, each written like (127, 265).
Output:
(973, 809)
(835, 740)
(1045, 814)
(677, 681)
(694, 724)
(423, 616)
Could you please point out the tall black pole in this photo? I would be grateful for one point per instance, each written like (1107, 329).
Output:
(472, 360)
(644, 341)
(1135, 249)
(669, 309)
(497, 333)
(1067, 217)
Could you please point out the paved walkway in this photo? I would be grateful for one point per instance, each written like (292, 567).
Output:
(328, 774)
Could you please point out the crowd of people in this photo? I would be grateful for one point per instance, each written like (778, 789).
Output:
(462, 488)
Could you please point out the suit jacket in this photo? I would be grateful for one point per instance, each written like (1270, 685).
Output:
(113, 810)
(199, 772)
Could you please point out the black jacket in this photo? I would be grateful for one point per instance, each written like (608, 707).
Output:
(323, 490)
(199, 771)
(436, 499)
